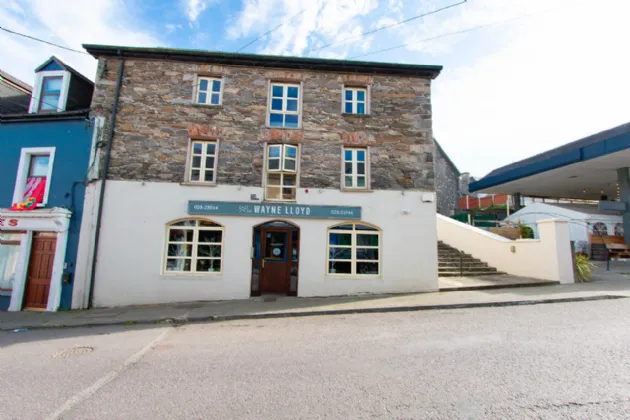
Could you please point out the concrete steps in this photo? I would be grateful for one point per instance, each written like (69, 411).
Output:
(453, 263)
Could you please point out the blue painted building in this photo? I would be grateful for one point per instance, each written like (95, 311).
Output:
(47, 155)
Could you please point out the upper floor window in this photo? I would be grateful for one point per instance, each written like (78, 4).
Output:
(32, 183)
(194, 246)
(209, 91)
(284, 105)
(355, 170)
(51, 93)
(203, 161)
(282, 172)
(355, 100)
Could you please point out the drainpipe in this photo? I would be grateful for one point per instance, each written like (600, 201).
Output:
(108, 152)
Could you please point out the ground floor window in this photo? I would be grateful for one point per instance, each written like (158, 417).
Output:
(194, 246)
(354, 250)
(9, 252)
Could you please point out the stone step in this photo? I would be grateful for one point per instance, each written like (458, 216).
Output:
(456, 264)
(458, 260)
(467, 273)
(468, 269)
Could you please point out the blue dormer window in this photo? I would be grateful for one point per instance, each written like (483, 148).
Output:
(51, 93)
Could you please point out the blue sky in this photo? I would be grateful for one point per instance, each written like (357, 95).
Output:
(544, 72)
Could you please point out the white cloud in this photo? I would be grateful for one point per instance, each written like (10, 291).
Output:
(104, 22)
(194, 8)
(170, 27)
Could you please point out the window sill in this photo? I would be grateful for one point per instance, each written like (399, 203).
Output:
(198, 184)
(283, 128)
(356, 190)
(190, 276)
(206, 105)
(351, 277)
(356, 115)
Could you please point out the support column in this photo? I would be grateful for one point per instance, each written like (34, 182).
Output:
(517, 201)
(623, 178)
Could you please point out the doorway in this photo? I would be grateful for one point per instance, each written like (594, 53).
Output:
(276, 251)
(40, 268)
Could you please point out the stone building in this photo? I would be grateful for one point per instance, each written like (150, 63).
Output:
(235, 175)
(446, 182)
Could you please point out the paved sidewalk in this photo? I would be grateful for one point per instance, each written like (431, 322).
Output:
(611, 287)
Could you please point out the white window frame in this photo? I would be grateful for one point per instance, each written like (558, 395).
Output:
(354, 101)
(194, 244)
(209, 92)
(282, 171)
(204, 155)
(37, 89)
(353, 249)
(354, 173)
(284, 112)
(23, 169)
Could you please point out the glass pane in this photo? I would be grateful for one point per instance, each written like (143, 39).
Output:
(361, 168)
(49, 102)
(209, 177)
(196, 161)
(173, 264)
(276, 104)
(361, 109)
(210, 162)
(290, 151)
(364, 227)
(185, 223)
(348, 109)
(348, 95)
(339, 267)
(288, 193)
(181, 235)
(52, 85)
(273, 193)
(361, 155)
(194, 175)
(348, 166)
(274, 151)
(367, 253)
(348, 182)
(361, 181)
(291, 121)
(277, 91)
(347, 154)
(275, 245)
(210, 236)
(183, 250)
(197, 148)
(39, 165)
(211, 148)
(209, 265)
(212, 251)
(216, 85)
(275, 120)
(289, 165)
(205, 223)
(289, 180)
(203, 84)
(361, 95)
(340, 253)
(292, 105)
(214, 99)
(8, 262)
(367, 268)
(292, 91)
(202, 98)
(340, 238)
(273, 164)
(274, 179)
(343, 227)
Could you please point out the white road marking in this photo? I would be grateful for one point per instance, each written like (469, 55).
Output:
(86, 393)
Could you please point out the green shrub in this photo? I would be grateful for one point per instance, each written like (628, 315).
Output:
(584, 267)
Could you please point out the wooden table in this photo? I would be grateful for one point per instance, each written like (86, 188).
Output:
(618, 250)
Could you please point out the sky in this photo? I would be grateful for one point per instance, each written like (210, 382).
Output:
(520, 76)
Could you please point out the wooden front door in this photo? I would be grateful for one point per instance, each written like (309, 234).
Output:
(274, 272)
(40, 269)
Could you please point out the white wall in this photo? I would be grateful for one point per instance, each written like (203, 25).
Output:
(129, 267)
(547, 258)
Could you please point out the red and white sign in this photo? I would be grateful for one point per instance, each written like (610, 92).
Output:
(4, 222)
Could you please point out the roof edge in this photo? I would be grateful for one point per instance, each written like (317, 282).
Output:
(324, 64)
(47, 116)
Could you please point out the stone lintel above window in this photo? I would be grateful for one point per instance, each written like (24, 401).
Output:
(356, 80)
(356, 139)
(283, 135)
(284, 77)
(203, 132)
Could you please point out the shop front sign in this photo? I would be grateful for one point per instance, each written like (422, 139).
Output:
(230, 208)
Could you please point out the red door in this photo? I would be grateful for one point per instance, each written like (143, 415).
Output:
(274, 274)
(40, 269)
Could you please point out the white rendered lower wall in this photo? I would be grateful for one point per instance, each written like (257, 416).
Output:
(130, 259)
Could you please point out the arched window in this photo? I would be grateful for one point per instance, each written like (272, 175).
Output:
(599, 228)
(354, 249)
(194, 246)
(619, 229)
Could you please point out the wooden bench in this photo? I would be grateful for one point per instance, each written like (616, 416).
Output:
(618, 250)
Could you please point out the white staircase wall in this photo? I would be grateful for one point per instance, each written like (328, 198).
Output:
(547, 258)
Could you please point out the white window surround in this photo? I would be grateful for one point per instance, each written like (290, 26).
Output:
(354, 174)
(194, 244)
(209, 90)
(338, 250)
(37, 89)
(189, 159)
(368, 99)
(23, 168)
(285, 99)
(281, 171)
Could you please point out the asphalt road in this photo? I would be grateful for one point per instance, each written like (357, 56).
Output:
(557, 361)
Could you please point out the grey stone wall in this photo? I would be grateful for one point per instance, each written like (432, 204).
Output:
(446, 183)
(157, 117)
